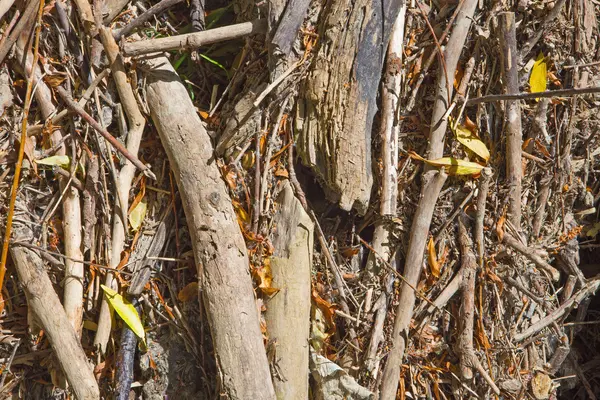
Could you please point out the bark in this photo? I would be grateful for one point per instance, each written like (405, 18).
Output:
(288, 311)
(339, 100)
(219, 248)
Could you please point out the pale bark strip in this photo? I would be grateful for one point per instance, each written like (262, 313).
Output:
(195, 40)
(412, 272)
(71, 206)
(288, 311)
(45, 304)
(390, 130)
(514, 135)
(340, 98)
(136, 123)
(432, 184)
(219, 247)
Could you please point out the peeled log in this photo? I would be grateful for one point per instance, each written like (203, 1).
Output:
(288, 311)
(336, 117)
(219, 248)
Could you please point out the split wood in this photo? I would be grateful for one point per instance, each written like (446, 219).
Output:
(73, 106)
(195, 40)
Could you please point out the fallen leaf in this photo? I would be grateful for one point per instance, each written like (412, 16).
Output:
(538, 76)
(189, 292)
(468, 139)
(452, 165)
(126, 311)
(500, 227)
(61, 161)
(434, 265)
(137, 215)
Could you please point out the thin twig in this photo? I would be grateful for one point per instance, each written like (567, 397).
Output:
(14, 35)
(145, 16)
(111, 139)
(530, 96)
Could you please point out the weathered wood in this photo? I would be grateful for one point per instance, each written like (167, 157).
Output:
(44, 302)
(195, 40)
(339, 97)
(288, 312)
(219, 247)
(514, 134)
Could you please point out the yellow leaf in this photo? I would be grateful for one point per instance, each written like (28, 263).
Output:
(434, 265)
(136, 216)
(61, 161)
(126, 311)
(471, 142)
(452, 165)
(537, 78)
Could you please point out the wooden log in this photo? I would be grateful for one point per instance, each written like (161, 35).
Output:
(288, 311)
(339, 98)
(219, 247)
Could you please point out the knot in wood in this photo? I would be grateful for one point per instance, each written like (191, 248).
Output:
(214, 198)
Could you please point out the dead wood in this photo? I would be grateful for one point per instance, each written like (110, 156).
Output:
(288, 311)
(194, 40)
(412, 271)
(136, 124)
(46, 307)
(514, 135)
(219, 247)
(339, 98)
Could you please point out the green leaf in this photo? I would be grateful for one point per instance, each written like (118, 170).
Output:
(137, 215)
(126, 311)
(537, 78)
(214, 62)
(179, 61)
(61, 161)
(471, 142)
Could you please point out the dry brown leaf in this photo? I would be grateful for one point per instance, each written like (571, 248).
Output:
(189, 292)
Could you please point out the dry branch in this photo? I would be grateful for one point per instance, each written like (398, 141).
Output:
(44, 303)
(531, 96)
(136, 123)
(432, 184)
(390, 130)
(26, 18)
(412, 272)
(147, 15)
(219, 247)
(195, 40)
(514, 135)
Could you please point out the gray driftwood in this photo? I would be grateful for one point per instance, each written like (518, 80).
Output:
(288, 312)
(339, 98)
(219, 248)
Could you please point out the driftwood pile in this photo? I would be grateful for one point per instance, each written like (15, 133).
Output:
(299, 199)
